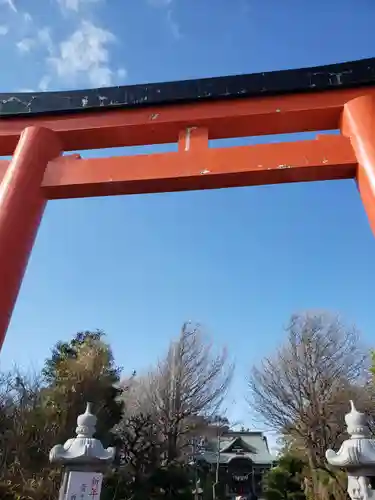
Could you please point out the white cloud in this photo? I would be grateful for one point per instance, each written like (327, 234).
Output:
(10, 4)
(80, 59)
(44, 83)
(85, 53)
(45, 39)
(42, 39)
(26, 90)
(173, 25)
(25, 45)
(75, 5)
(122, 73)
(159, 3)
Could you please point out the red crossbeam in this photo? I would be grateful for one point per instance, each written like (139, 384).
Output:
(326, 158)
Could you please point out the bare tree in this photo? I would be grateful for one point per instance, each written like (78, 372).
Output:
(187, 387)
(136, 395)
(303, 390)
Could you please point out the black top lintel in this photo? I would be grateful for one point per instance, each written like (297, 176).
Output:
(315, 79)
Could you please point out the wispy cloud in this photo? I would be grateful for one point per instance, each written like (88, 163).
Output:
(10, 3)
(44, 83)
(173, 25)
(81, 58)
(75, 5)
(25, 45)
(26, 90)
(45, 39)
(159, 3)
(85, 53)
(42, 39)
(122, 73)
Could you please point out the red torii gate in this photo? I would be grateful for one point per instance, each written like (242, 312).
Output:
(37, 128)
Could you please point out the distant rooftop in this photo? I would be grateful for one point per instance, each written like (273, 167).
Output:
(235, 444)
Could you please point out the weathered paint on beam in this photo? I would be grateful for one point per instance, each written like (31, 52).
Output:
(157, 125)
(314, 79)
(326, 158)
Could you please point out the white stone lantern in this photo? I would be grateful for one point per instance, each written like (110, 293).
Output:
(356, 456)
(83, 458)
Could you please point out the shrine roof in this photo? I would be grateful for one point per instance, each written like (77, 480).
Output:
(344, 75)
(254, 446)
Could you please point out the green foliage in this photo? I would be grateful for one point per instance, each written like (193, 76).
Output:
(37, 414)
(64, 351)
(81, 371)
(284, 482)
(372, 368)
(172, 482)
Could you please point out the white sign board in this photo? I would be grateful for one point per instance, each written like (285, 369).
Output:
(84, 486)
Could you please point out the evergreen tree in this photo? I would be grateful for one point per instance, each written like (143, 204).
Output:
(284, 482)
(81, 371)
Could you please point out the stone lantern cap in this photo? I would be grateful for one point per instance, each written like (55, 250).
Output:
(359, 449)
(84, 449)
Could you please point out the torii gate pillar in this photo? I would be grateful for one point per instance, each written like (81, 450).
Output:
(21, 209)
(358, 123)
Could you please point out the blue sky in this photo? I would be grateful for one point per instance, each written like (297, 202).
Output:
(239, 261)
